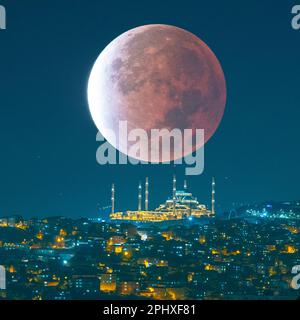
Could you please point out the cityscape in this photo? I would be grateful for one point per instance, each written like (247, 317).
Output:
(149, 159)
(245, 254)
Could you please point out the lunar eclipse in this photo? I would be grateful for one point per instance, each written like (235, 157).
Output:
(156, 76)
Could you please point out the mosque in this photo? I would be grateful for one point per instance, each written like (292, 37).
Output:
(181, 206)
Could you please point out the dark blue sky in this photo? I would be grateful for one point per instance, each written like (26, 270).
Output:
(48, 145)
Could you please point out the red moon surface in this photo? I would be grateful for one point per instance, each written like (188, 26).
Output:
(156, 77)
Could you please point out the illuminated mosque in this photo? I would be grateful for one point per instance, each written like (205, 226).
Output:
(181, 206)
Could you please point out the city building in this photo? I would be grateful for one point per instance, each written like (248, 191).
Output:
(181, 206)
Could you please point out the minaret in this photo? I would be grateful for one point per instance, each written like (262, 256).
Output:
(213, 196)
(174, 193)
(140, 197)
(113, 198)
(185, 185)
(146, 194)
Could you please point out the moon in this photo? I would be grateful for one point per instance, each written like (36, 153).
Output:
(156, 77)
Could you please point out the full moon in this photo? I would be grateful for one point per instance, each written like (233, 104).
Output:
(156, 77)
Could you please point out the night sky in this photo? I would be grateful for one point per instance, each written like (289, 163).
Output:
(48, 139)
